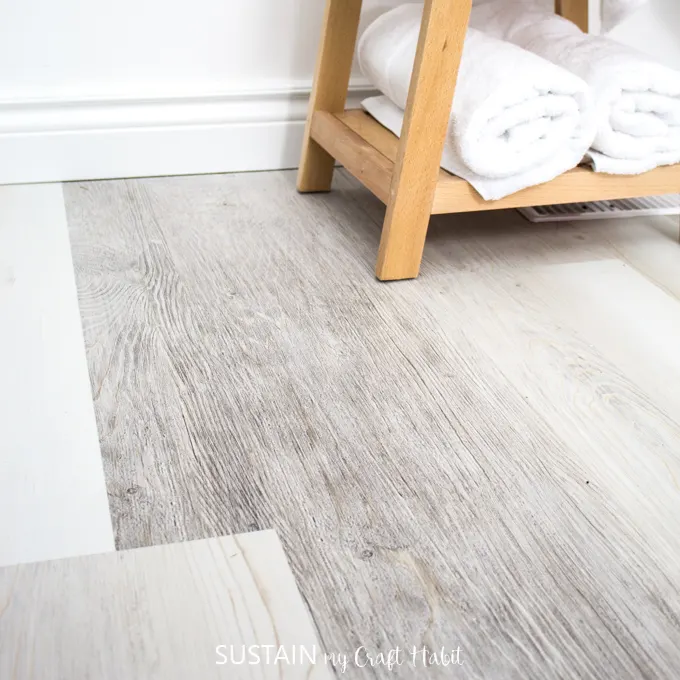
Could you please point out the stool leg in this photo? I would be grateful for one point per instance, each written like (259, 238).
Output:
(440, 47)
(331, 81)
(574, 10)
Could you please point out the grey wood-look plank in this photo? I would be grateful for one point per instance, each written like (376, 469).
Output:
(173, 612)
(463, 460)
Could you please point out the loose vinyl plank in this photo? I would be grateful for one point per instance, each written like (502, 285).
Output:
(53, 499)
(188, 610)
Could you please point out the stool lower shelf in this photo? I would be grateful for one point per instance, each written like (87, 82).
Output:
(369, 152)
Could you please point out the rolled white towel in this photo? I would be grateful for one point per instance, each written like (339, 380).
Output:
(637, 100)
(517, 120)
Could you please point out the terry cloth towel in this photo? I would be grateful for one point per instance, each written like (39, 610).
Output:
(637, 100)
(517, 120)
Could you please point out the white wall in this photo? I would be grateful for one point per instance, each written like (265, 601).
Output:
(655, 29)
(93, 88)
(99, 48)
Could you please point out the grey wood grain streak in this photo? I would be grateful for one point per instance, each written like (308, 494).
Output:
(434, 476)
(158, 613)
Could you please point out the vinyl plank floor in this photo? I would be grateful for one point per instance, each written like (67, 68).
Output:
(53, 499)
(201, 609)
(468, 460)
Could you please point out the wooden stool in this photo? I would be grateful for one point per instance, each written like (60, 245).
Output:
(405, 172)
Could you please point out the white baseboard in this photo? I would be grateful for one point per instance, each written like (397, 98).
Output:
(60, 140)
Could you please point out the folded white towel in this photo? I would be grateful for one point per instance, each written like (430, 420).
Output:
(517, 120)
(637, 100)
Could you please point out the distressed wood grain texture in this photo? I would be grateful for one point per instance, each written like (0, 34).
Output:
(158, 613)
(468, 460)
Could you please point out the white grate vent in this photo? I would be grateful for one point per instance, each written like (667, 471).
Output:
(603, 210)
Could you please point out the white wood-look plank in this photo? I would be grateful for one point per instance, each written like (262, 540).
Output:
(461, 460)
(52, 494)
(631, 321)
(610, 398)
(160, 614)
(646, 245)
